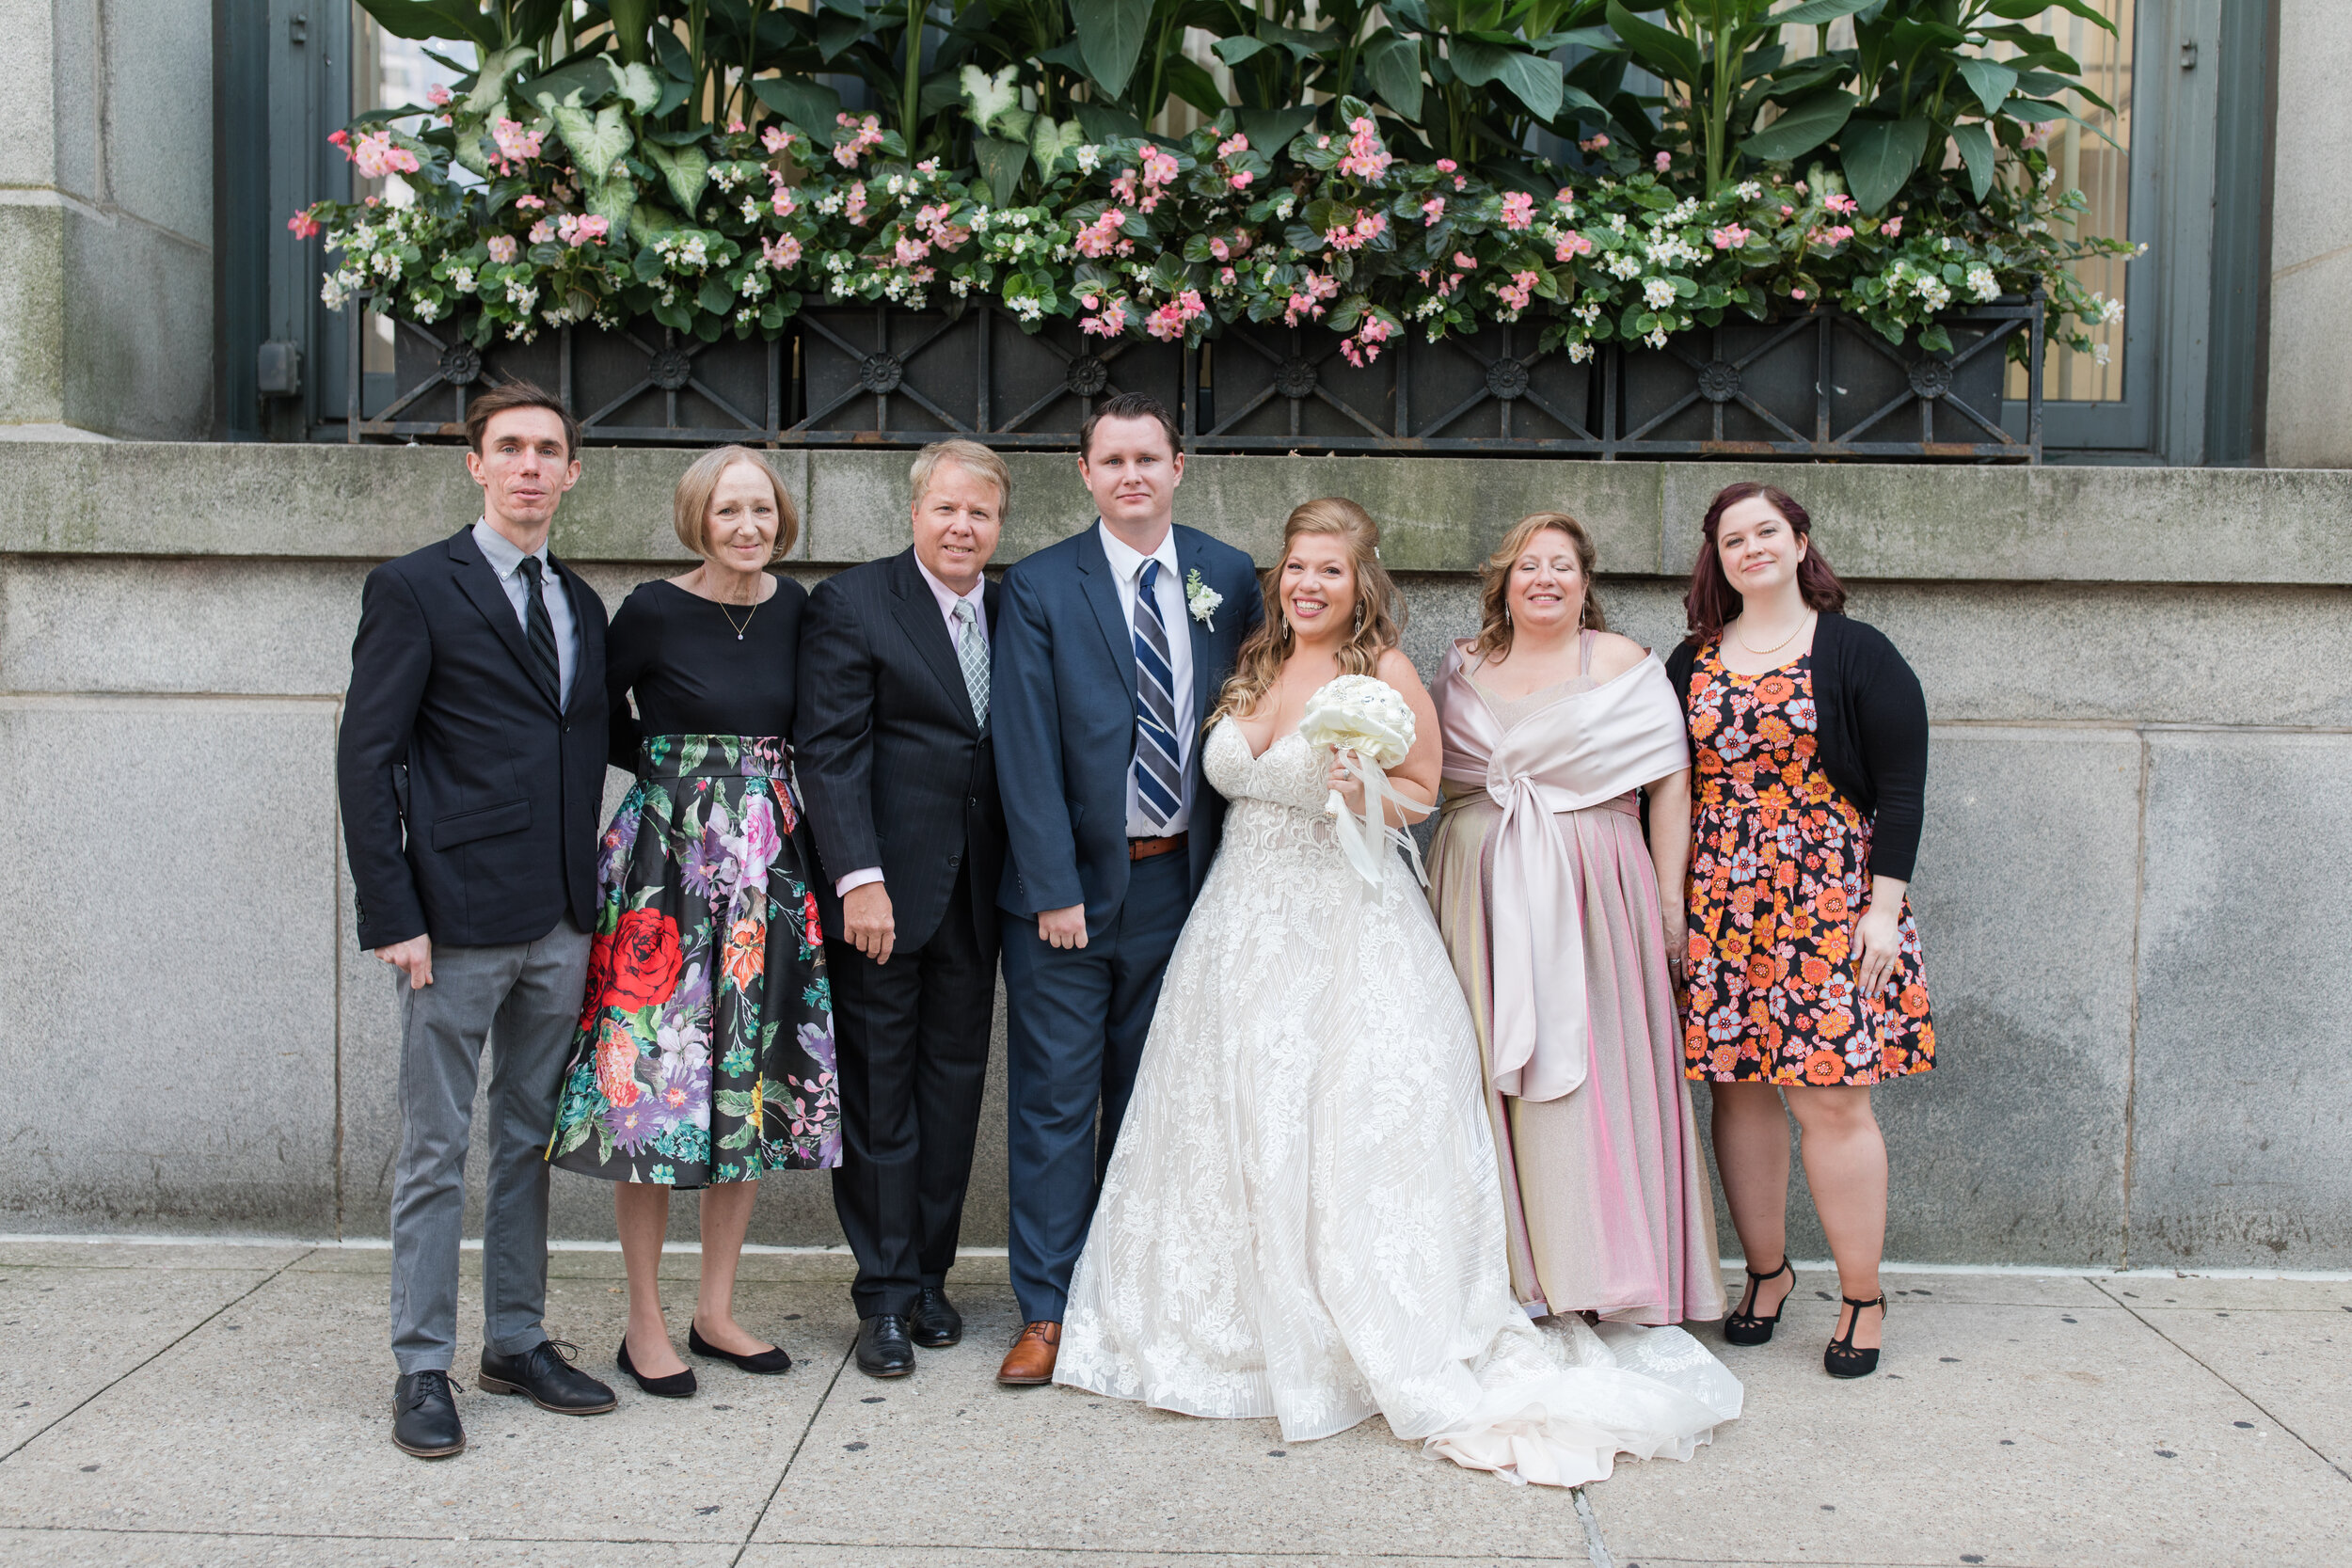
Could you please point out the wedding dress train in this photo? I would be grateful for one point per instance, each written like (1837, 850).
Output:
(1303, 1219)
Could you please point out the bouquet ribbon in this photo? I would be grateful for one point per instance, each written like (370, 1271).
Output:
(1365, 841)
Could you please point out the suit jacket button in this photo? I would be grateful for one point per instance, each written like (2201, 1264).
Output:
(954, 860)
(974, 804)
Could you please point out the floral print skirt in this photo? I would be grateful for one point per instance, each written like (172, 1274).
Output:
(705, 1050)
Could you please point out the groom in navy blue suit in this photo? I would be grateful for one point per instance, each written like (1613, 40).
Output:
(1111, 648)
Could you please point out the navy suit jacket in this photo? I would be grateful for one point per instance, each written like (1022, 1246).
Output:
(1064, 710)
(469, 804)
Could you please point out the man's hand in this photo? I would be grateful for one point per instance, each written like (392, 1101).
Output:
(1064, 927)
(413, 958)
(867, 922)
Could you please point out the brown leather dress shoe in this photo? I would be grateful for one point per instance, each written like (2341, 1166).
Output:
(1031, 1358)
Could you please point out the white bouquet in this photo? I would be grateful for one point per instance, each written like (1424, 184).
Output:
(1369, 726)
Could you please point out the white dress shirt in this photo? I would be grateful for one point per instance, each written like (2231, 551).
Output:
(948, 598)
(1127, 571)
(506, 560)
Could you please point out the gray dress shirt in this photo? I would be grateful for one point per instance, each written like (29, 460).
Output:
(506, 561)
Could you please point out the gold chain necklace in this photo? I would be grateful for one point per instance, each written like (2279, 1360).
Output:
(1767, 653)
(739, 630)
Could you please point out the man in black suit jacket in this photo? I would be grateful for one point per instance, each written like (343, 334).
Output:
(470, 767)
(893, 750)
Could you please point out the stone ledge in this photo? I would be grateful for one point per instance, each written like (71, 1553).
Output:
(1885, 522)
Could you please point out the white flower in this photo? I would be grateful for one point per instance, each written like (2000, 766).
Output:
(1201, 599)
(751, 211)
(2100, 353)
(1090, 158)
(1578, 352)
(1657, 294)
(1982, 283)
(2110, 312)
(1748, 190)
(462, 280)
(1624, 264)
(1656, 336)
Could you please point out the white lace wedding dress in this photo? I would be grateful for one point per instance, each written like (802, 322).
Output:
(1302, 1218)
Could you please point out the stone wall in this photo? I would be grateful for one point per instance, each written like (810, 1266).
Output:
(2310, 238)
(106, 218)
(2130, 886)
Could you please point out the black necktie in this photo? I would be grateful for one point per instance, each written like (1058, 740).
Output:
(540, 633)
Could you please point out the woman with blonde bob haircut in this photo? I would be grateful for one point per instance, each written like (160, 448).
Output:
(705, 1056)
(1300, 1218)
(1566, 932)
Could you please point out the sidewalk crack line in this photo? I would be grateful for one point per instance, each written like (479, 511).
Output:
(792, 1459)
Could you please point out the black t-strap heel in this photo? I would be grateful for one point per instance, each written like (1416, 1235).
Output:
(1744, 1328)
(1844, 1358)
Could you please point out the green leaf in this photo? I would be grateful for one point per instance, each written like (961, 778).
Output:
(579, 83)
(424, 20)
(810, 106)
(2033, 112)
(1802, 127)
(1665, 51)
(1190, 81)
(986, 97)
(733, 1103)
(1001, 162)
(2025, 10)
(1813, 13)
(715, 296)
(1533, 80)
(1104, 120)
(1878, 155)
(1976, 151)
(685, 170)
(489, 88)
(640, 87)
(1270, 129)
(596, 144)
(1395, 65)
(1110, 36)
(1054, 146)
(1990, 79)
(1233, 51)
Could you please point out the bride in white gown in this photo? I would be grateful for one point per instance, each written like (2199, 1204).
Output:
(1302, 1217)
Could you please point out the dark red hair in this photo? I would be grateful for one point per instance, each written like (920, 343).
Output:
(1712, 600)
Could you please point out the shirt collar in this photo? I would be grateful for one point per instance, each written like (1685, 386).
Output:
(947, 596)
(1126, 561)
(501, 551)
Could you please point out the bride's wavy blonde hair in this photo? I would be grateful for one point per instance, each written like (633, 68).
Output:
(1378, 613)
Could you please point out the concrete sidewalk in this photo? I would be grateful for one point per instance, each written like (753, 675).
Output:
(229, 1404)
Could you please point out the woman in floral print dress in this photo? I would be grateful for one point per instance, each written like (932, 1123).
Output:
(705, 1056)
(1804, 979)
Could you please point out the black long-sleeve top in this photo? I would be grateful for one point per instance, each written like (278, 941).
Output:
(1872, 727)
(678, 654)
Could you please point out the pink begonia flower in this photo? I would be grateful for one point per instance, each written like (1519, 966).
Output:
(1516, 294)
(1461, 181)
(342, 139)
(1464, 260)
(542, 231)
(1322, 142)
(735, 127)
(377, 157)
(1664, 162)
(533, 203)
(1226, 276)
(502, 248)
(516, 142)
(855, 209)
(780, 198)
(775, 138)
(1367, 159)
(1100, 237)
(1364, 346)
(1159, 166)
(1800, 187)
(1518, 210)
(1431, 211)
(579, 230)
(863, 134)
(1892, 229)
(1593, 144)
(1787, 211)
(302, 225)
(1235, 143)
(437, 94)
(1447, 165)
(1240, 181)
(1837, 203)
(1124, 186)
(910, 251)
(782, 254)
(1218, 249)
(1731, 236)
(1167, 322)
(1110, 323)
(1796, 294)
(1571, 247)
(1567, 195)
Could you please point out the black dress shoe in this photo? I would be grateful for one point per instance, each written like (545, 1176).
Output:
(936, 1322)
(424, 1416)
(767, 1363)
(545, 1373)
(884, 1348)
(678, 1385)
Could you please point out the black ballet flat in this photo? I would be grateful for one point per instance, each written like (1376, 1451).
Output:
(678, 1385)
(767, 1363)
(1744, 1328)
(1844, 1358)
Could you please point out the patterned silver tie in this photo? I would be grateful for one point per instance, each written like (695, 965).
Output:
(1159, 764)
(971, 653)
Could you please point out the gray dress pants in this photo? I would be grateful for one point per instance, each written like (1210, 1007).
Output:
(524, 1000)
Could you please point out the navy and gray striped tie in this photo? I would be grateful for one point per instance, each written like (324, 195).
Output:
(1159, 770)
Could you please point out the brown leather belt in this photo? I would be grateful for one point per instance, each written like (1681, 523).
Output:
(1144, 849)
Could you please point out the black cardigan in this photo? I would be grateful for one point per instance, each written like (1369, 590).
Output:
(1872, 724)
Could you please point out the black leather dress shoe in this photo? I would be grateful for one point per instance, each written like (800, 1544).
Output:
(884, 1348)
(424, 1416)
(676, 1385)
(767, 1363)
(547, 1374)
(936, 1322)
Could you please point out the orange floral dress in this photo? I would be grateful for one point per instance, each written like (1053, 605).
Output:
(1779, 876)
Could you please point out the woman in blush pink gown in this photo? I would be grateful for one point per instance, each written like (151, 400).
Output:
(1548, 897)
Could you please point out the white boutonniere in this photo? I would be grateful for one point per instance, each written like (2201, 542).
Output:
(1201, 599)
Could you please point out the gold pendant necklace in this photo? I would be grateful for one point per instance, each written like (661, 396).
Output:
(739, 630)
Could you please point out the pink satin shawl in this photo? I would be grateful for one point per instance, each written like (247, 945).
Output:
(1579, 752)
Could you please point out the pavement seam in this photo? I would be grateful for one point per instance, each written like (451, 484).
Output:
(160, 1354)
(2152, 1327)
(1596, 1550)
(794, 1458)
